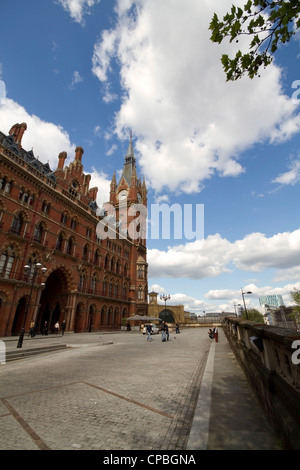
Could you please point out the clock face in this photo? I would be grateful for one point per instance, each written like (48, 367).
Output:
(122, 195)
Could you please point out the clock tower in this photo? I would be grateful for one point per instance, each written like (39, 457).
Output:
(129, 198)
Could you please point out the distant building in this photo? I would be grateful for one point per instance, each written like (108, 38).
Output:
(271, 301)
(281, 317)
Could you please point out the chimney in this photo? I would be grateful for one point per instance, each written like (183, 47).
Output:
(61, 160)
(78, 153)
(17, 131)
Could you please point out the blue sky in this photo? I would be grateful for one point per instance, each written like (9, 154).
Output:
(85, 72)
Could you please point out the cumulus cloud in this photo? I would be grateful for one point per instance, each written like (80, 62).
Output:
(292, 176)
(189, 122)
(78, 8)
(45, 138)
(215, 255)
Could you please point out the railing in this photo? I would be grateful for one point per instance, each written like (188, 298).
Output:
(270, 358)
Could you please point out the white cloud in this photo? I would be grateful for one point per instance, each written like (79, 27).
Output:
(215, 255)
(290, 177)
(78, 8)
(45, 138)
(190, 123)
(75, 79)
(102, 182)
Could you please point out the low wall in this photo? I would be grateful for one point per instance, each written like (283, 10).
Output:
(270, 358)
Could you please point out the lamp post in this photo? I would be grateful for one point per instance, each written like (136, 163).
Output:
(243, 293)
(165, 298)
(36, 269)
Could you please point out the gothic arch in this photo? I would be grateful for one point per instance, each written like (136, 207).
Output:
(166, 315)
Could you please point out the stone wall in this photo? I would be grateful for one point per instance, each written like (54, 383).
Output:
(270, 358)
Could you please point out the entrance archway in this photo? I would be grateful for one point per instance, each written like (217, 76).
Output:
(54, 300)
(167, 316)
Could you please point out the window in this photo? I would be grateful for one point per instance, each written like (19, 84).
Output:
(97, 258)
(59, 242)
(85, 253)
(38, 233)
(81, 281)
(70, 247)
(17, 224)
(45, 207)
(140, 293)
(6, 262)
(73, 223)
(64, 218)
(5, 185)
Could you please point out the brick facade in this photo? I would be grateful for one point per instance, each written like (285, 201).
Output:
(50, 219)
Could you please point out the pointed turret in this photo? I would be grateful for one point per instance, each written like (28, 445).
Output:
(129, 163)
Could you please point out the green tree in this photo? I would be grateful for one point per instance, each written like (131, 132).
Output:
(267, 23)
(295, 295)
(253, 315)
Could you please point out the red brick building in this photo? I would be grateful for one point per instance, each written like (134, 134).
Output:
(61, 258)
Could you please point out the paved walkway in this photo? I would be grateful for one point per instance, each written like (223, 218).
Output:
(116, 391)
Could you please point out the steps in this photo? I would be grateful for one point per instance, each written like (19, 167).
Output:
(21, 353)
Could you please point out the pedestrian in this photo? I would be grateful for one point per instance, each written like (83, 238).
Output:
(31, 329)
(56, 327)
(211, 334)
(63, 327)
(167, 331)
(45, 329)
(177, 328)
(149, 331)
(163, 332)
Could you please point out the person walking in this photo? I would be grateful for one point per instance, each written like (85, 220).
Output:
(167, 331)
(149, 331)
(211, 334)
(63, 327)
(45, 329)
(56, 327)
(163, 332)
(31, 329)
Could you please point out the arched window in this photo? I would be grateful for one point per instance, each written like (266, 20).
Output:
(94, 281)
(126, 270)
(64, 218)
(82, 278)
(85, 253)
(140, 293)
(97, 257)
(6, 262)
(38, 232)
(73, 223)
(17, 224)
(59, 242)
(70, 246)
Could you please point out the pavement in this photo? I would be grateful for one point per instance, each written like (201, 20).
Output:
(224, 413)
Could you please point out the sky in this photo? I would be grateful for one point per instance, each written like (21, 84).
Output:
(225, 155)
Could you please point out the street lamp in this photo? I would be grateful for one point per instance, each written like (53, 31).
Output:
(165, 298)
(36, 269)
(243, 293)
